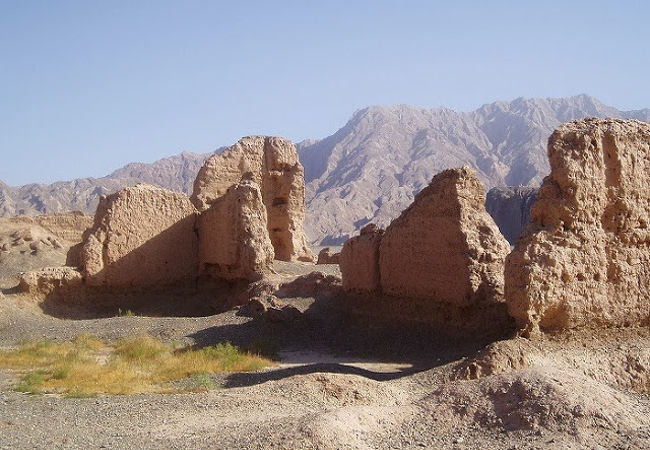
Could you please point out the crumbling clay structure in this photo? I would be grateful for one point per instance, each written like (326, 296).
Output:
(234, 243)
(444, 250)
(273, 161)
(60, 282)
(359, 261)
(584, 261)
(444, 246)
(327, 256)
(142, 236)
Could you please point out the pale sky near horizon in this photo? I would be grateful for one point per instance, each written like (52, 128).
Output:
(86, 87)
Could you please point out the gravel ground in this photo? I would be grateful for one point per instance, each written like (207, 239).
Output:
(346, 382)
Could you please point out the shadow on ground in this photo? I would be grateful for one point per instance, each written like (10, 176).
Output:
(192, 299)
(326, 327)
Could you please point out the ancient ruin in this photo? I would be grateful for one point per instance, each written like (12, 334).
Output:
(274, 164)
(584, 260)
(444, 251)
(234, 243)
(327, 256)
(360, 261)
(142, 236)
(444, 246)
(251, 209)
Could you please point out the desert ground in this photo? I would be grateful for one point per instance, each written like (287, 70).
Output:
(341, 381)
(433, 333)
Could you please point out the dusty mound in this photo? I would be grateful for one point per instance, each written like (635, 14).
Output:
(70, 226)
(142, 236)
(529, 399)
(234, 243)
(29, 243)
(620, 359)
(584, 259)
(273, 161)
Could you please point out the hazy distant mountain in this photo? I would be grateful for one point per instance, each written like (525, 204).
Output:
(510, 209)
(370, 169)
(176, 173)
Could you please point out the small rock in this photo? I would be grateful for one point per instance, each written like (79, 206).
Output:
(254, 308)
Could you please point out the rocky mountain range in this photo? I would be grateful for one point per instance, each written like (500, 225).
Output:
(175, 172)
(370, 169)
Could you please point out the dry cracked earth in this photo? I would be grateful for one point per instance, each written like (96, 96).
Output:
(343, 382)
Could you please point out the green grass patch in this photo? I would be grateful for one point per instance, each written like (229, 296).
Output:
(88, 366)
(200, 382)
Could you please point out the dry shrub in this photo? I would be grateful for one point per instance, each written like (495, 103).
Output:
(88, 366)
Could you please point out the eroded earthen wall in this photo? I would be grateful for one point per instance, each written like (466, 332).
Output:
(142, 236)
(444, 246)
(585, 259)
(359, 261)
(234, 243)
(274, 163)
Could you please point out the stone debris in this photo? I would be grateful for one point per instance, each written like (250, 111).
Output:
(312, 284)
(584, 260)
(274, 165)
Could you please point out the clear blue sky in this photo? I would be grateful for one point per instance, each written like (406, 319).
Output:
(87, 86)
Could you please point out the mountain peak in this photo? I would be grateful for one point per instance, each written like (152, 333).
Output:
(369, 170)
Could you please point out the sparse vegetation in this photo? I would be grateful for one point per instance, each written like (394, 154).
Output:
(89, 366)
(264, 347)
(127, 313)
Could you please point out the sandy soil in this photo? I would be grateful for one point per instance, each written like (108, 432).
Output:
(344, 381)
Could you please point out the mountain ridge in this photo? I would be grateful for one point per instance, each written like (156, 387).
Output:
(371, 168)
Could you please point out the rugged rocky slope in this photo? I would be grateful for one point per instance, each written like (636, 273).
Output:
(371, 168)
(510, 209)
